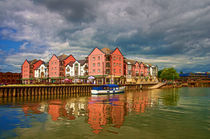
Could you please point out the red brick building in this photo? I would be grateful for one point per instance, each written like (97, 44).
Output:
(10, 78)
(57, 66)
(106, 65)
(28, 70)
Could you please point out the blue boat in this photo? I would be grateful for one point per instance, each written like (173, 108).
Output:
(107, 89)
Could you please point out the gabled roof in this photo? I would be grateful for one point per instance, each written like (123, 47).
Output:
(36, 66)
(94, 49)
(115, 50)
(62, 57)
(107, 51)
(32, 61)
(82, 62)
(131, 61)
(71, 63)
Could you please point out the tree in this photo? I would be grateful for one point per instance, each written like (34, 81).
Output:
(169, 74)
(159, 72)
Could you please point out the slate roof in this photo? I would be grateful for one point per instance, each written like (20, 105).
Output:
(131, 61)
(82, 62)
(62, 57)
(32, 61)
(107, 51)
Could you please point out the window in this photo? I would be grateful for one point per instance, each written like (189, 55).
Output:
(114, 64)
(107, 64)
(68, 69)
(55, 62)
(119, 58)
(98, 64)
(114, 71)
(114, 58)
(107, 71)
(120, 64)
(129, 67)
(117, 64)
(98, 57)
(52, 62)
(93, 70)
(55, 73)
(98, 70)
(93, 58)
(93, 64)
(120, 70)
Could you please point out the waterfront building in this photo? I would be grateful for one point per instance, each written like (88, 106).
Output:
(25, 69)
(10, 78)
(57, 66)
(28, 70)
(136, 72)
(76, 69)
(106, 65)
(41, 71)
(153, 71)
(129, 66)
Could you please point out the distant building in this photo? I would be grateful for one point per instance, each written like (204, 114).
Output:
(136, 72)
(10, 78)
(194, 76)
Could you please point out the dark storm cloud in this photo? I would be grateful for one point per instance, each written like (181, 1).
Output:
(73, 10)
(164, 32)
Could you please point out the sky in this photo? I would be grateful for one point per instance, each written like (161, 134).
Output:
(166, 33)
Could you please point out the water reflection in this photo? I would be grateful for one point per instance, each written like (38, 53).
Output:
(101, 111)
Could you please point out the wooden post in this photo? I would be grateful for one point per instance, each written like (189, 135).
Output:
(14, 92)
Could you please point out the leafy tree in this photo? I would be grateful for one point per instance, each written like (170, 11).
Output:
(159, 72)
(169, 74)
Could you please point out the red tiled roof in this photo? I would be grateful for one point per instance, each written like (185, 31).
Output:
(70, 63)
(37, 65)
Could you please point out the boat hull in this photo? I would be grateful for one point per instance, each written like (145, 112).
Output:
(104, 92)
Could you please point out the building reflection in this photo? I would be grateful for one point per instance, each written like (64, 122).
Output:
(101, 111)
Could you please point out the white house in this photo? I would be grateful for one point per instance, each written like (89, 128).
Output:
(83, 67)
(153, 71)
(41, 71)
(77, 68)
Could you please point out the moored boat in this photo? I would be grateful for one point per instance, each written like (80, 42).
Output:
(107, 89)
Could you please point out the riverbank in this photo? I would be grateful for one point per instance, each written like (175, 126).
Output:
(179, 85)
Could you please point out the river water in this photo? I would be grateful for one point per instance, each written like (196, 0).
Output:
(159, 114)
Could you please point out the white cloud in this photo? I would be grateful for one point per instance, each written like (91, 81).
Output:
(167, 33)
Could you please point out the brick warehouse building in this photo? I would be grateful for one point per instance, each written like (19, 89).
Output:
(10, 78)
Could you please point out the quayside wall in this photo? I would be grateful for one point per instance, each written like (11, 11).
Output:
(66, 90)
